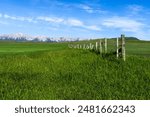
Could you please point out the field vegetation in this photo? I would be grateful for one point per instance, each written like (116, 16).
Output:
(53, 71)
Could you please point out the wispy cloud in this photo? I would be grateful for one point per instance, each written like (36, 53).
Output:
(78, 23)
(89, 9)
(69, 22)
(86, 8)
(51, 19)
(18, 18)
(123, 23)
(93, 27)
(74, 22)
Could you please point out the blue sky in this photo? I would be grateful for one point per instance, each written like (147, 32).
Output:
(76, 18)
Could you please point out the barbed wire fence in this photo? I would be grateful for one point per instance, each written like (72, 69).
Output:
(104, 46)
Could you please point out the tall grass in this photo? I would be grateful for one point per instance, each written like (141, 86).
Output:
(61, 73)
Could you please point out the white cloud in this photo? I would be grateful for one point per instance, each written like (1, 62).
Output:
(93, 27)
(87, 8)
(6, 16)
(78, 23)
(19, 18)
(123, 23)
(69, 22)
(0, 15)
(51, 19)
(74, 22)
(54, 20)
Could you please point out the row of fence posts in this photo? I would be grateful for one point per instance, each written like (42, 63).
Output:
(102, 47)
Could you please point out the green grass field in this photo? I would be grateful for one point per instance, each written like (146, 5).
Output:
(53, 71)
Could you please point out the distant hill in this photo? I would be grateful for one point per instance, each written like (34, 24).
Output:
(131, 38)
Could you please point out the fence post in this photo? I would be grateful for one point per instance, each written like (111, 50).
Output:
(123, 53)
(100, 43)
(96, 45)
(105, 45)
(117, 48)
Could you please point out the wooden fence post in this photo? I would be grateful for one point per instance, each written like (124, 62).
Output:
(117, 48)
(100, 44)
(96, 46)
(123, 47)
(105, 45)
